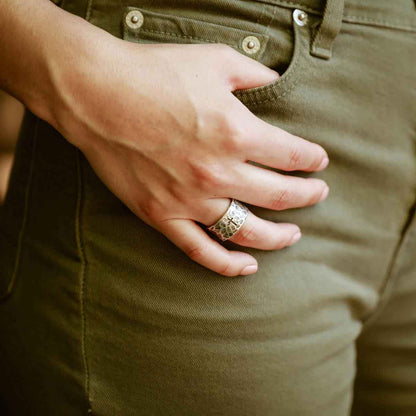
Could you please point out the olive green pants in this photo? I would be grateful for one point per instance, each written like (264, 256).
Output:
(101, 314)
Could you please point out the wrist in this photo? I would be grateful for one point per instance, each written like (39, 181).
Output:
(72, 64)
(64, 57)
(40, 54)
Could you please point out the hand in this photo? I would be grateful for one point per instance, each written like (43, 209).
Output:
(161, 128)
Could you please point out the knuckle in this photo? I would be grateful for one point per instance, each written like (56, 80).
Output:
(151, 209)
(281, 200)
(208, 175)
(227, 269)
(231, 131)
(195, 253)
(295, 157)
(178, 191)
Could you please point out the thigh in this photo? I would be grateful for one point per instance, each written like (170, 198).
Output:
(170, 337)
(41, 363)
(112, 316)
(386, 365)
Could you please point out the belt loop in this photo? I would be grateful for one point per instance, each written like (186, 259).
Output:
(328, 30)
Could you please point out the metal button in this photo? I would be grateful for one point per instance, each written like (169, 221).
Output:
(134, 19)
(251, 45)
(300, 17)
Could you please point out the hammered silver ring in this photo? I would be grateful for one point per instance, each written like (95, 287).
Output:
(231, 222)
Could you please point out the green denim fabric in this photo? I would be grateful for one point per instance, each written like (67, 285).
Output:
(102, 315)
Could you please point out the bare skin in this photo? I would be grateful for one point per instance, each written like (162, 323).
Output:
(161, 128)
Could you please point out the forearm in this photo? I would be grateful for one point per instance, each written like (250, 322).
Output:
(37, 40)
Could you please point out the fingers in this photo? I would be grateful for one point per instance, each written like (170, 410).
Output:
(274, 147)
(255, 232)
(244, 72)
(201, 248)
(268, 189)
(266, 235)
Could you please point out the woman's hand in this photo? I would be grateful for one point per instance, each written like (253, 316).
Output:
(161, 128)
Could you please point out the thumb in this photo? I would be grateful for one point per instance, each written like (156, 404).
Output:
(244, 72)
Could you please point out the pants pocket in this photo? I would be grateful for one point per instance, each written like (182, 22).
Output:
(144, 26)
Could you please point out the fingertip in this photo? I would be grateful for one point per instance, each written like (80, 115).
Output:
(242, 261)
(250, 269)
(251, 75)
(324, 163)
(296, 237)
(273, 73)
(324, 194)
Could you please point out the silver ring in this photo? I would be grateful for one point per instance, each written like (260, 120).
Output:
(231, 222)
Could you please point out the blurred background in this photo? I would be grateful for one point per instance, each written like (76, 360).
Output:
(11, 114)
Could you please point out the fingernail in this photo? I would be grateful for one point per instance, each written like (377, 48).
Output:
(295, 238)
(324, 163)
(249, 270)
(324, 193)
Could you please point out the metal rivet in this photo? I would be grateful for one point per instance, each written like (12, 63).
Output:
(300, 17)
(134, 19)
(251, 45)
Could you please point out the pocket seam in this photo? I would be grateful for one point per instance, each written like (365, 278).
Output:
(248, 96)
(133, 35)
(251, 96)
(18, 253)
(182, 36)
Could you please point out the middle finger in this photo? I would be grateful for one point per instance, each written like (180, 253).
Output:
(271, 146)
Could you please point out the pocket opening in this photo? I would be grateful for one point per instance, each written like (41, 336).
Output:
(162, 28)
(298, 64)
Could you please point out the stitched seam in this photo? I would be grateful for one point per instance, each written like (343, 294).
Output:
(82, 278)
(291, 76)
(254, 102)
(261, 13)
(370, 19)
(89, 10)
(297, 5)
(376, 22)
(25, 214)
(81, 251)
(365, 20)
(269, 88)
(189, 37)
(176, 35)
(271, 19)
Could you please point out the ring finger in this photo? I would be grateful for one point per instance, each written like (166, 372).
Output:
(255, 232)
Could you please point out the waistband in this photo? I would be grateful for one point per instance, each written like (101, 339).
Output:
(394, 14)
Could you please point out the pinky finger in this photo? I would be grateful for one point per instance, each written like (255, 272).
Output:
(202, 249)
